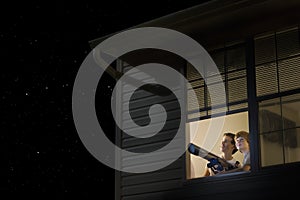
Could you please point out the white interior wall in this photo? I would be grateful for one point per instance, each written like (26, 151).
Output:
(233, 123)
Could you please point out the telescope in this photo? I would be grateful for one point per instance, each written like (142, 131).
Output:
(215, 162)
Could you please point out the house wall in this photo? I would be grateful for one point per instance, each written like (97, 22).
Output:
(149, 185)
(212, 25)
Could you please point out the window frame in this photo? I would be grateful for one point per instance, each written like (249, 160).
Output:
(253, 108)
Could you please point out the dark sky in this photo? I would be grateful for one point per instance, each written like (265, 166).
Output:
(42, 46)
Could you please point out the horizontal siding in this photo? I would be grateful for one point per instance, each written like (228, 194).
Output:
(154, 118)
(174, 166)
(165, 136)
(142, 112)
(147, 196)
(155, 159)
(162, 175)
(151, 185)
(168, 127)
(140, 94)
(148, 101)
(152, 145)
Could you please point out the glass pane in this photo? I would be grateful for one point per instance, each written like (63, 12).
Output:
(195, 83)
(213, 83)
(237, 93)
(266, 79)
(270, 116)
(194, 103)
(291, 110)
(236, 58)
(292, 145)
(271, 149)
(208, 99)
(265, 49)
(289, 73)
(288, 43)
(192, 73)
(218, 58)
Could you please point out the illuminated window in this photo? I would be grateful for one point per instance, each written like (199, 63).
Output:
(231, 62)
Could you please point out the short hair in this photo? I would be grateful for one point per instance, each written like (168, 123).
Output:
(232, 136)
(243, 134)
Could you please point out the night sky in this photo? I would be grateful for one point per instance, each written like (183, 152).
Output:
(42, 48)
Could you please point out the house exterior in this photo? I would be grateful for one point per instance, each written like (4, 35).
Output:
(256, 47)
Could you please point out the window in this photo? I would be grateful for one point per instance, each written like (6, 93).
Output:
(232, 123)
(277, 96)
(277, 64)
(277, 59)
(231, 62)
(279, 120)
